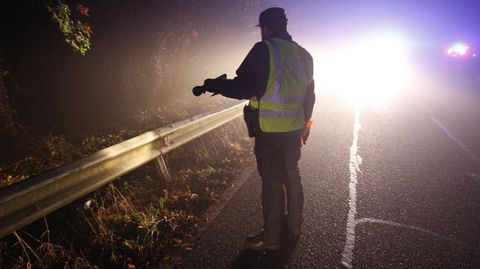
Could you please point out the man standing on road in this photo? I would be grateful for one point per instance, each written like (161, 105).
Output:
(277, 78)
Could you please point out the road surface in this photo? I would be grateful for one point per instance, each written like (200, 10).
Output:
(396, 187)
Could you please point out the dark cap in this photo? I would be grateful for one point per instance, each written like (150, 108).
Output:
(274, 16)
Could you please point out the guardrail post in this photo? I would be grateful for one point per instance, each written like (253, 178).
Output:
(29, 200)
(162, 168)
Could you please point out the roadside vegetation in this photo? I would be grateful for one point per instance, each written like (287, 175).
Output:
(79, 76)
(140, 220)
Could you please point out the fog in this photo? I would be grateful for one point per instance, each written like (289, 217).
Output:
(147, 55)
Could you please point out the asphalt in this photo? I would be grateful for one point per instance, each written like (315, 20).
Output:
(397, 191)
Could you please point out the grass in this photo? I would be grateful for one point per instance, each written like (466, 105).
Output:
(139, 221)
(54, 151)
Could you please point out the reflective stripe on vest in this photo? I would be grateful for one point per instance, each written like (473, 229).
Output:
(291, 71)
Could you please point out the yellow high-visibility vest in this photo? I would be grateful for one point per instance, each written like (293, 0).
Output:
(291, 71)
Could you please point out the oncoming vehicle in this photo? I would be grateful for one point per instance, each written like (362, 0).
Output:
(463, 62)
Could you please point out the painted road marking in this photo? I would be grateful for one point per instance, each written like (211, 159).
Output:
(354, 167)
(411, 227)
(456, 140)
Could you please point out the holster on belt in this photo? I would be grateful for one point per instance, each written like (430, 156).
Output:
(250, 116)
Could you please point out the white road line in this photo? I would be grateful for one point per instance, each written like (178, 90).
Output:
(354, 165)
(401, 225)
(457, 141)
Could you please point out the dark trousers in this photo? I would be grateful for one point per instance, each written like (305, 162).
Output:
(277, 157)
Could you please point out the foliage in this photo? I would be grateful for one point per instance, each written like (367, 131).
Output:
(77, 34)
(139, 221)
(11, 128)
(56, 150)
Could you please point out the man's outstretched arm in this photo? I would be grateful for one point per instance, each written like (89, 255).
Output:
(251, 79)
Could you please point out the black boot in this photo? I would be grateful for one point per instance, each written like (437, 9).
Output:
(261, 242)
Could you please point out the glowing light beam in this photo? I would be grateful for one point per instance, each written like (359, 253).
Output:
(369, 73)
(457, 49)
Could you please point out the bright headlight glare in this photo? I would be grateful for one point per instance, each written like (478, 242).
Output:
(369, 73)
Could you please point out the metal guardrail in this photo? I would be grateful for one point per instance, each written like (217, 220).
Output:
(29, 200)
